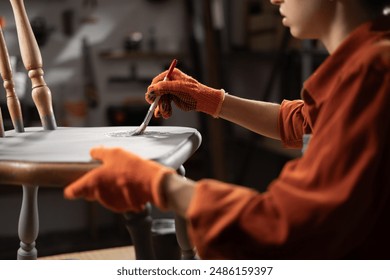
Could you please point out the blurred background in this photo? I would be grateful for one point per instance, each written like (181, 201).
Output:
(99, 57)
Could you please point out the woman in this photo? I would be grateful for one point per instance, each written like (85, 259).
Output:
(334, 201)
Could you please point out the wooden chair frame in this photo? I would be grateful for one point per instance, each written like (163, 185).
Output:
(32, 174)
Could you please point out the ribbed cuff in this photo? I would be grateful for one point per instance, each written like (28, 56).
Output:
(211, 102)
(218, 110)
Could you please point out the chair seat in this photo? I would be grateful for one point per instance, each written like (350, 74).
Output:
(57, 157)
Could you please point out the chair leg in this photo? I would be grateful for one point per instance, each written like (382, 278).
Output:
(187, 250)
(28, 224)
(32, 60)
(13, 102)
(139, 226)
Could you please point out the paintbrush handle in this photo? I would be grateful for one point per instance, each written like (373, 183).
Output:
(166, 78)
(153, 106)
(170, 70)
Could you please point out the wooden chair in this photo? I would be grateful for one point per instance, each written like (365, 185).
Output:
(55, 156)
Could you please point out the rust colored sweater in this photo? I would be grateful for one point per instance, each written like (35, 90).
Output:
(334, 201)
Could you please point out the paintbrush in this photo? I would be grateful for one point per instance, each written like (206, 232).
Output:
(153, 106)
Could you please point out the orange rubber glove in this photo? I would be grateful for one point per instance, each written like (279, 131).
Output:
(124, 182)
(186, 92)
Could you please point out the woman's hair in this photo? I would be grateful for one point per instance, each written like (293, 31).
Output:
(376, 5)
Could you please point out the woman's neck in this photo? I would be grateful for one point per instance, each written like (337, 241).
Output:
(347, 17)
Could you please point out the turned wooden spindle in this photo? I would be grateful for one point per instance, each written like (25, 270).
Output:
(32, 61)
(28, 224)
(139, 226)
(187, 249)
(13, 103)
(1, 125)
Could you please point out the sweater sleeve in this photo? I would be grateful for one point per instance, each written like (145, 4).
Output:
(323, 205)
(292, 123)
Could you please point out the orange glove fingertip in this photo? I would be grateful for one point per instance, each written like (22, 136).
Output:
(159, 77)
(69, 194)
(157, 113)
(97, 152)
(73, 192)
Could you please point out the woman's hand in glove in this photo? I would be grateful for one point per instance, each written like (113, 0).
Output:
(186, 92)
(124, 181)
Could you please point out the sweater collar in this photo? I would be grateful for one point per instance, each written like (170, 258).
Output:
(364, 35)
